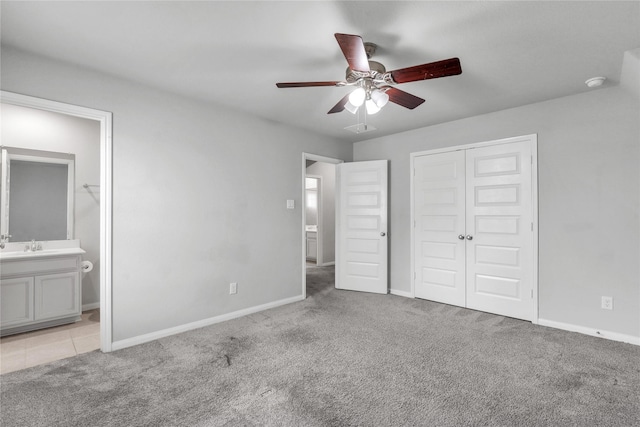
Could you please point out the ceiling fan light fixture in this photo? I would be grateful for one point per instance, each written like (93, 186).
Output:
(379, 98)
(372, 108)
(357, 97)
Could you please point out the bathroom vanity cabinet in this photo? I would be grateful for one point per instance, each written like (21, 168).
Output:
(312, 245)
(40, 289)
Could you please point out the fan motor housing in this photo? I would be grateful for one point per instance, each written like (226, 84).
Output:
(374, 66)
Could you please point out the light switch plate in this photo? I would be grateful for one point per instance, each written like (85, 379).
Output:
(291, 204)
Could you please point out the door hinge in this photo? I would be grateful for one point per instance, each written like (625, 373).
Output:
(531, 293)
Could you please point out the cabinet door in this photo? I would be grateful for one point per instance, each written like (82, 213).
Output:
(16, 301)
(312, 246)
(57, 295)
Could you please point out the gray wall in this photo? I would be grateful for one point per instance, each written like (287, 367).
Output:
(192, 210)
(199, 197)
(588, 154)
(66, 134)
(328, 173)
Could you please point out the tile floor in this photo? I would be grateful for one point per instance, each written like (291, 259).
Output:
(29, 349)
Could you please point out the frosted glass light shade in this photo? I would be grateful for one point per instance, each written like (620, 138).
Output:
(357, 97)
(350, 107)
(372, 108)
(380, 98)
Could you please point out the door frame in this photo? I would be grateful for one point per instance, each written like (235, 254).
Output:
(105, 118)
(533, 139)
(303, 216)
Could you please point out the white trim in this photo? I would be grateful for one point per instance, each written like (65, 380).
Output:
(412, 227)
(533, 139)
(534, 218)
(105, 119)
(141, 339)
(475, 145)
(327, 264)
(4, 212)
(613, 336)
(317, 158)
(91, 306)
(400, 293)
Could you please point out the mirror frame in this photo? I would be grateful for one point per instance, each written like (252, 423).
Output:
(36, 156)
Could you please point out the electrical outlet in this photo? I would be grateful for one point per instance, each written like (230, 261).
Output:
(607, 303)
(233, 288)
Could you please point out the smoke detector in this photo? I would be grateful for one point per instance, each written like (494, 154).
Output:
(595, 81)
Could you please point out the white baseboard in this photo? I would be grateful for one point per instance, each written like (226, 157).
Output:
(614, 336)
(327, 264)
(91, 306)
(141, 339)
(400, 293)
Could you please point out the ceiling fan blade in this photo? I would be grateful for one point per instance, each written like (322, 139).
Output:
(353, 50)
(307, 84)
(340, 105)
(433, 70)
(403, 98)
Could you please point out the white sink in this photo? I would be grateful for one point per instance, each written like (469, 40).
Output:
(42, 253)
(15, 250)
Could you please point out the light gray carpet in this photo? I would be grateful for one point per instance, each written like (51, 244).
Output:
(341, 359)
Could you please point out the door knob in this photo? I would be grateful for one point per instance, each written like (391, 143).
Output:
(461, 236)
(382, 233)
(469, 237)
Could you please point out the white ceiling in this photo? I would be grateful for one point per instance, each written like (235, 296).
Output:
(233, 53)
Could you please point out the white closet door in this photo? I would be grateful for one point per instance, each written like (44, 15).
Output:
(439, 213)
(473, 230)
(500, 230)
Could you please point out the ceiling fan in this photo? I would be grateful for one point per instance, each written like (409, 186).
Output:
(373, 82)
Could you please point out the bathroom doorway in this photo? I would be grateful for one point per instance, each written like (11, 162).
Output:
(313, 214)
(94, 191)
(318, 222)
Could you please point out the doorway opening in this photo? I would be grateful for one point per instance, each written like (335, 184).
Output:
(99, 191)
(318, 222)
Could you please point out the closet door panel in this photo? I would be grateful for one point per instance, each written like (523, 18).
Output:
(439, 198)
(499, 230)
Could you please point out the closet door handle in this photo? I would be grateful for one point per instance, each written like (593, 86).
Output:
(461, 236)
(469, 237)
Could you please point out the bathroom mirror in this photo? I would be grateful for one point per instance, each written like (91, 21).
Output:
(311, 200)
(37, 195)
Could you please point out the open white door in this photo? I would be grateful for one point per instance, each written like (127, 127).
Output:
(361, 225)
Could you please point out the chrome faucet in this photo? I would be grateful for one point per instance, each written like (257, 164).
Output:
(3, 239)
(34, 247)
